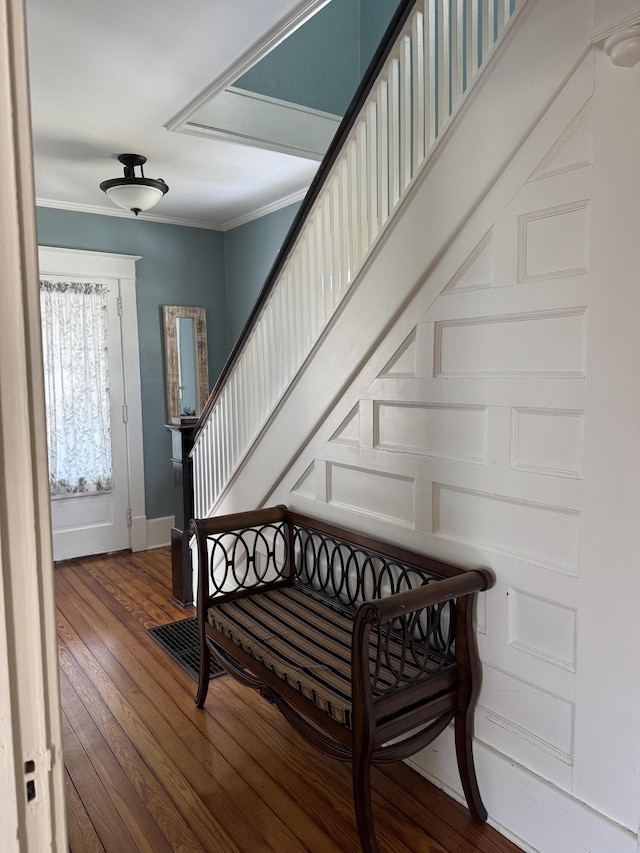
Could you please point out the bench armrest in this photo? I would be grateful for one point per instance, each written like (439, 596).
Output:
(414, 635)
(412, 600)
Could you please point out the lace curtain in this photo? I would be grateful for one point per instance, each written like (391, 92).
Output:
(76, 377)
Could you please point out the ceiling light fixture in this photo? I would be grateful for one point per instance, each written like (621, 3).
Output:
(133, 193)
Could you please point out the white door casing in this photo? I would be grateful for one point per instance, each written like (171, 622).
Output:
(107, 521)
(30, 719)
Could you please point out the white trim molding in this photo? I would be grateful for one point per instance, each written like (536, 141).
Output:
(185, 223)
(126, 214)
(265, 211)
(505, 780)
(30, 716)
(159, 531)
(282, 30)
(260, 121)
(121, 268)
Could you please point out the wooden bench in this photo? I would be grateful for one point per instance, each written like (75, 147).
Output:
(366, 648)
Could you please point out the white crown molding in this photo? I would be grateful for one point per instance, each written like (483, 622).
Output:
(124, 214)
(277, 34)
(264, 211)
(166, 220)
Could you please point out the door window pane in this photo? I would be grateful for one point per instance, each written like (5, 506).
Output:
(76, 377)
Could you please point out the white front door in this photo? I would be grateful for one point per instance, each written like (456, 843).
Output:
(92, 514)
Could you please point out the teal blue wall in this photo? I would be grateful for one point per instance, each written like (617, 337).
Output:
(178, 266)
(318, 65)
(249, 251)
(374, 20)
(322, 62)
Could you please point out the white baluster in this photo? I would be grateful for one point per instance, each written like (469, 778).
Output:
(383, 151)
(319, 265)
(444, 63)
(503, 13)
(326, 253)
(223, 461)
(457, 51)
(471, 46)
(283, 326)
(371, 177)
(353, 203)
(298, 305)
(488, 24)
(406, 129)
(292, 323)
(431, 91)
(233, 420)
(345, 231)
(312, 278)
(335, 230)
(419, 99)
(256, 386)
(394, 132)
(215, 459)
(261, 365)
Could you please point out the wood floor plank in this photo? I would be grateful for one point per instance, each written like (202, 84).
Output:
(82, 835)
(251, 789)
(156, 564)
(206, 827)
(135, 580)
(393, 832)
(170, 678)
(199, 733)
(150, 790)
(139, 821)
(228, 789)
(230, 778)
(107, 822)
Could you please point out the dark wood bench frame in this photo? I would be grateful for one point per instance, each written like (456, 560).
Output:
(443, 598)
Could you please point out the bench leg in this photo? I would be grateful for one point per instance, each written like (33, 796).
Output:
(466, 765)
(467, 655)
(203, 678)
(362, 797)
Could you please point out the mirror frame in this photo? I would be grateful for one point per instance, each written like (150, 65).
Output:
(170, 315)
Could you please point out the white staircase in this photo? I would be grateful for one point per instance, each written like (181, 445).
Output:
(422, 81)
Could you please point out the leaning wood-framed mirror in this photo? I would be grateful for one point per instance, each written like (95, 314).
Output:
(185, 355)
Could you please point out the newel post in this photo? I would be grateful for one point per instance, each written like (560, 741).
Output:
(181, 566)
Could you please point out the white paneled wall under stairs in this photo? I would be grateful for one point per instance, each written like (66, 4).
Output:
(474, 396)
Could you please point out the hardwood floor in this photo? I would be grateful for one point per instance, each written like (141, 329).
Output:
(148, 771)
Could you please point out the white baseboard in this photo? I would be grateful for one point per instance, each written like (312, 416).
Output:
(523, 805)
(139, 533)
(159, 531)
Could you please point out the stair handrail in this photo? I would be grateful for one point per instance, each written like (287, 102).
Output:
(335, 147)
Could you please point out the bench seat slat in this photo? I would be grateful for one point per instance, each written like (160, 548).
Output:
(304, 641)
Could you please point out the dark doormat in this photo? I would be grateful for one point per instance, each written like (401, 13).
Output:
(181, 642)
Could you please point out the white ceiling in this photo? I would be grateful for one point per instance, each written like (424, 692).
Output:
(108, 75)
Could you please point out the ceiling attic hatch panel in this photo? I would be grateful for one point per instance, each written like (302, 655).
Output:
(250, 118)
